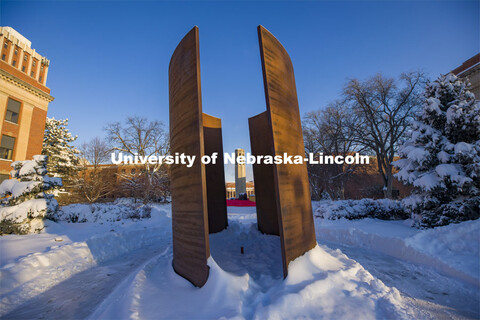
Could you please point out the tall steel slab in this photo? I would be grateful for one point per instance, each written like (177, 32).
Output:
(188, 185)
(215, 175)
(266, 193)
(296, 226)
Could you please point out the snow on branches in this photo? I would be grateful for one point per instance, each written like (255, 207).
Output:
(28, 198)
(442, 156)
(63, 160)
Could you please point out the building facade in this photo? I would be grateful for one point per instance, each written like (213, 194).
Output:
(231, 192)
(24, 99)
(470, 70)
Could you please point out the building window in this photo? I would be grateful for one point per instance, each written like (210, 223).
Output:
(32, 74)
(34, 63)
(133, 171)
(14, 62)
(25, 58)
(6, 147)
(3, 57)
(13, 109)
(42, 67)
(23, 68)
(16, 51)
(40, 79)
(5, 45)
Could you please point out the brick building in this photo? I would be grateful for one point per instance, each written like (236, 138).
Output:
(470, 69)
(116, 179)
(24, 99)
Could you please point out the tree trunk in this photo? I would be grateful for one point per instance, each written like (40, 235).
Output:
(387, 189)
(342, 190)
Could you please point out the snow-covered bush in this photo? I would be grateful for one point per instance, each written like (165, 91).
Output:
(101, 212)
(442, 157)
(385, 209)
(28, 198)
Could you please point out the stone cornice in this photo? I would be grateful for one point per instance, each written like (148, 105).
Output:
(24, 85)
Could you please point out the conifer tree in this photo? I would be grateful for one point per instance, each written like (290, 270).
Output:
(63, 160)
(28, 197)
(441, 159)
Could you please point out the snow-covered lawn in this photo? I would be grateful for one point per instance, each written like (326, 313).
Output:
(452, 250)
(360, 269)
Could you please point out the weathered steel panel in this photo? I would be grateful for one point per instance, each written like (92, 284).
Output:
(297, 231)
(188, 185)
(215, 175)
(263, 174)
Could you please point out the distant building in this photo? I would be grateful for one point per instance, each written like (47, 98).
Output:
(240, 174)
(24, 99)
(470, 69)
(366, 182)
(116, 177)
(231, 192)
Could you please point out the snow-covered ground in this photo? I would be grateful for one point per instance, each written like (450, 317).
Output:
(452, 250)
(436, 270)
(360, 269)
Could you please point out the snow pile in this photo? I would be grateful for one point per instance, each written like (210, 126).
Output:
(457, 245)
(83, 246)
(27, 198)
(452, 250)
(441, 158)
(157, 292)
(321, 284)
(384, 209)
(327, 284)
(101, 212)
(54, 265)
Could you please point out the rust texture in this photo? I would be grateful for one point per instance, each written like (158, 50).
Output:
(215, 175)
(265, 191)
(295, 218)
(188, 185)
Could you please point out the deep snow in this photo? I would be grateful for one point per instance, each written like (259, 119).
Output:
(363, 269)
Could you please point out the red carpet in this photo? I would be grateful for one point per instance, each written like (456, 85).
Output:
(240, 203)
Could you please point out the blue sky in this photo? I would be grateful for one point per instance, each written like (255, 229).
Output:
(110, 59)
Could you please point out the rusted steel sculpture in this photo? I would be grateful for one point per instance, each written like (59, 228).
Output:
(190, 226)
(198, 192)
(281, 129)
(266, 194)
(215, 175)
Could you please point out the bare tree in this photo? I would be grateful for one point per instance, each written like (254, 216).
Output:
(330, 132)
(139, 136)
(94, 182)
(95, 152)
(384, 112)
